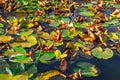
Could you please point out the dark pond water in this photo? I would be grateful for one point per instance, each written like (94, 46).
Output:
(109, 69)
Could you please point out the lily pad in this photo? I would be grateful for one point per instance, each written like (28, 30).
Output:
(54, 24)
(46, 57)
(100, 54)
(86, 12)
(20, 50)
(66, 19)
(22, 59)
(1, 25)
(86, 69)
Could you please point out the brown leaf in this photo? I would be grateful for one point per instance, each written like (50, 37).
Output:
(63, 65)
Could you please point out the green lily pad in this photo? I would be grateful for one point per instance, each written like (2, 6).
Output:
(86, 12)
(20, 50)
(30, 68)
(66, 19)
(100, 54)
(54, 24)
(1, 25)
(86, 69)
(65, 33)
(22, 59)
(47, 56)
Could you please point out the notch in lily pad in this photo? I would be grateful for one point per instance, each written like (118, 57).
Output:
(99, 53)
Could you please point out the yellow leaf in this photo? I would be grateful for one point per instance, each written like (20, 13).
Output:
(58, 54)
(63, 55)
(20, 77)
(5, 77)
(15, 22)
(32, 40)
(30, 25)
(4, 38)
(114, 36)
(47, 75)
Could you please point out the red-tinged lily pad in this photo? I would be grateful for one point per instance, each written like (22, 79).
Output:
(99, 53)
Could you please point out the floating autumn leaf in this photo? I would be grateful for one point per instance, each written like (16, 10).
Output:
(114, 36)
(47, 75)
(116, 13)
(118, 47)
(63, 65)
(59, 55)
(5, 38)
(2, 19)
(86, 69)
(43, 35)
(31, 41)
(99, 53)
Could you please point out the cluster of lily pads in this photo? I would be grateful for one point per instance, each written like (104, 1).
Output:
(56, 30)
